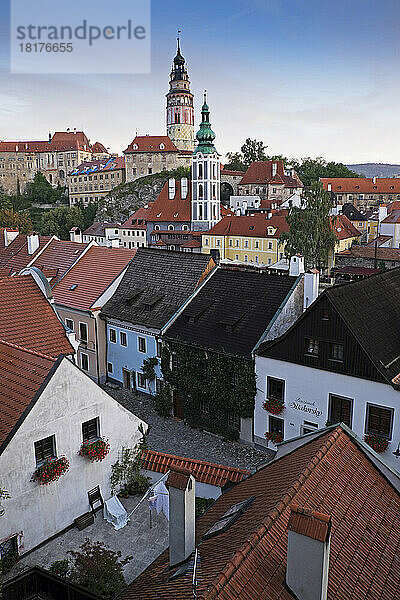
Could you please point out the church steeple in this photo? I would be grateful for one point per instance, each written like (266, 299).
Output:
(180, 111)
(205, 136)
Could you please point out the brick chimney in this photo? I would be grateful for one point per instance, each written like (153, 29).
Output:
(181, 485)
(33, 243)
(308, 553)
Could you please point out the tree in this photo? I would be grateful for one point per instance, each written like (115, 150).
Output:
(98, 568)
(310, 228)
(235, 162)
(15, 220)
(88, 213)
(251, 151)
(59, 221)
(42, 192)
(311, 169)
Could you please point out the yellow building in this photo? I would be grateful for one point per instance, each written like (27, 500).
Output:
(247, 239)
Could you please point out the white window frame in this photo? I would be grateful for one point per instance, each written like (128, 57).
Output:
(145, 344)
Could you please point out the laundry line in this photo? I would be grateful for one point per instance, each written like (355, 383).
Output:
(151, 488)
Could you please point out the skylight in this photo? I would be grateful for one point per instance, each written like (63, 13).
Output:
(227, 519)
(73, 286)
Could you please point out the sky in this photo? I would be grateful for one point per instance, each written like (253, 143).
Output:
(308, 77)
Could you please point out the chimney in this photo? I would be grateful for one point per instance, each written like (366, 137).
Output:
(311, 286)
(114, 242)
(9, 236)
(75, 235)
(181, 485)
(171, 188)
(49, 137)
(374, 180)
(296, 266)
(329, 187)
(383, 212)
(308, 553)
(33, 243)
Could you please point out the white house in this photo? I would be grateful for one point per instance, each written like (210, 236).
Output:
(340, 362)
(49, 407)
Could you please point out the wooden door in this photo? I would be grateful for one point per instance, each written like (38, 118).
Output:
(178, 405)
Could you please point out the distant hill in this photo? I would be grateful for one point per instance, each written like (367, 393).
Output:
(376, 169)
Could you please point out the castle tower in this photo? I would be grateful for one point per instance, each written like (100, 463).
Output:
(180, 112)
(206, 176)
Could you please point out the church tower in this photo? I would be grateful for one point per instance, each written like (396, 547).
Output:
(180, 112)
(206, 176)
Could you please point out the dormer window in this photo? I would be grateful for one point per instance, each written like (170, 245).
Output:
(135, 146)
(162, 146)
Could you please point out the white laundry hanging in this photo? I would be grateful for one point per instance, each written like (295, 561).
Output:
(115, 513)
(160, 499)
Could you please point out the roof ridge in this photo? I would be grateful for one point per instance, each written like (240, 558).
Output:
(29, 350)
(198, 461)
(241, 554)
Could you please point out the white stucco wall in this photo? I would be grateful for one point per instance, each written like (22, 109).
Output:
(69, 399)
(307, 399)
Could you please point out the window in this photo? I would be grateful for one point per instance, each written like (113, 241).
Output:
(206, 242)
(159, 385)
(237, 243)
(122, 338)
(113, 336)
(256, 244)
(70, 324)
(110, 368)
(269, 245)
(85, 362)
(141, 380)
(9, 546)
(90, 430)
(312, 346)
(340, 410)
(275, 389)
(83, 333)
(379, 420)
(325, 314)
(142, 344)
(276, 425)
(159, 348)
(44, 449)
(337, 352)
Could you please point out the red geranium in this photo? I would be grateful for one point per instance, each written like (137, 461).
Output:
(273, 406)
(95, 451)
(377, 443)
(273, 436)
(51, 470)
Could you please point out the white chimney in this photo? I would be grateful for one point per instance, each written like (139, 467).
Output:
(383, 212)
(311, 287)
(114, 242)
(9, 235)
(184, 188)
(308, 553)
(33, 243)
(75, 235)
(296, 266)
(274, 168)
(181, 486)
(329, 187)
(374, 180)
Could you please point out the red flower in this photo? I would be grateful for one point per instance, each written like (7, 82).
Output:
(274, 437)
(95, 451)
(51, 470)
(273, 406)
(377, 443)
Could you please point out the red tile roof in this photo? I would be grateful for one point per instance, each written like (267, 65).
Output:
(61, 141)
(393, 217)
(58, 257)
(151, 143)
(27, 318)
(309, 523)
(369, 252)
(98, 148)
(260, 172)
(140, 215)
(205, 472)
(92, 275)
(226, 212)
(15, 256)
(344, 228)
(255, 226)
(191, 244)
(330, 473)
(362, 185)
(176, 209)
(23, 372)
(230, 172)
(99, 229)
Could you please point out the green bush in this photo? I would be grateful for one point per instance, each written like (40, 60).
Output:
(163, 401)
(60, 567)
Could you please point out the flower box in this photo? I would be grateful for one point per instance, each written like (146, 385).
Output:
(95, 450)
(51, 470)
(274, 437)
(377, 443)
(273, 406)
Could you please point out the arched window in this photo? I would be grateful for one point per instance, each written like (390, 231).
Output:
(171, 228)
(200, 170)
(62, 174)
(200, 190)
(185, 228)
(135, 146)
(162, 146)
(156, 227)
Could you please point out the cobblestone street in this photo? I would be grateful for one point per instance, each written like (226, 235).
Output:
(175, 437)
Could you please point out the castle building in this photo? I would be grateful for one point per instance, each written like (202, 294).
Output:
(180, 111)
(206, 174)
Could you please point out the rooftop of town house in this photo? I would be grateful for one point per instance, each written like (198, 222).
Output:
(27, 319)
(352, 213)
(172, 209)
(155, 286)
(151, 143)
(261, 172)
(61, 141)
(139, 218)
(329, 472)
(250, 226)
(378, 241)
(203, 471)
(393, 217)
(58, 257)
(368, 251)
(344, 228)
(231, 311)
(99, 229)
(362, 185)
(16, 256)
(90, 277)
(98, 148)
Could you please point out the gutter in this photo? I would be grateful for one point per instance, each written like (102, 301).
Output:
(276, 315)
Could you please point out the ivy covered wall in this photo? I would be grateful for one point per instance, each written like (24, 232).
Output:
(217, 389)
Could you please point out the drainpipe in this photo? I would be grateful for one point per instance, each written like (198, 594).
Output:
(97, 348)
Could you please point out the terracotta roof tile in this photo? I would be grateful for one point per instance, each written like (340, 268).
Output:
(99, 229)
(151, 143)
(205, 472)
(362, 185)
(28, 320)
(344, 228)
(330, 474)
(15, 256)
(99, 148)
(309, 523)
(393, 217)
(175, 209)
(369, 252)
(61, 141)
(22, 374)
(255, 226)
(92, 275)
(260, 172)
(57, 258)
